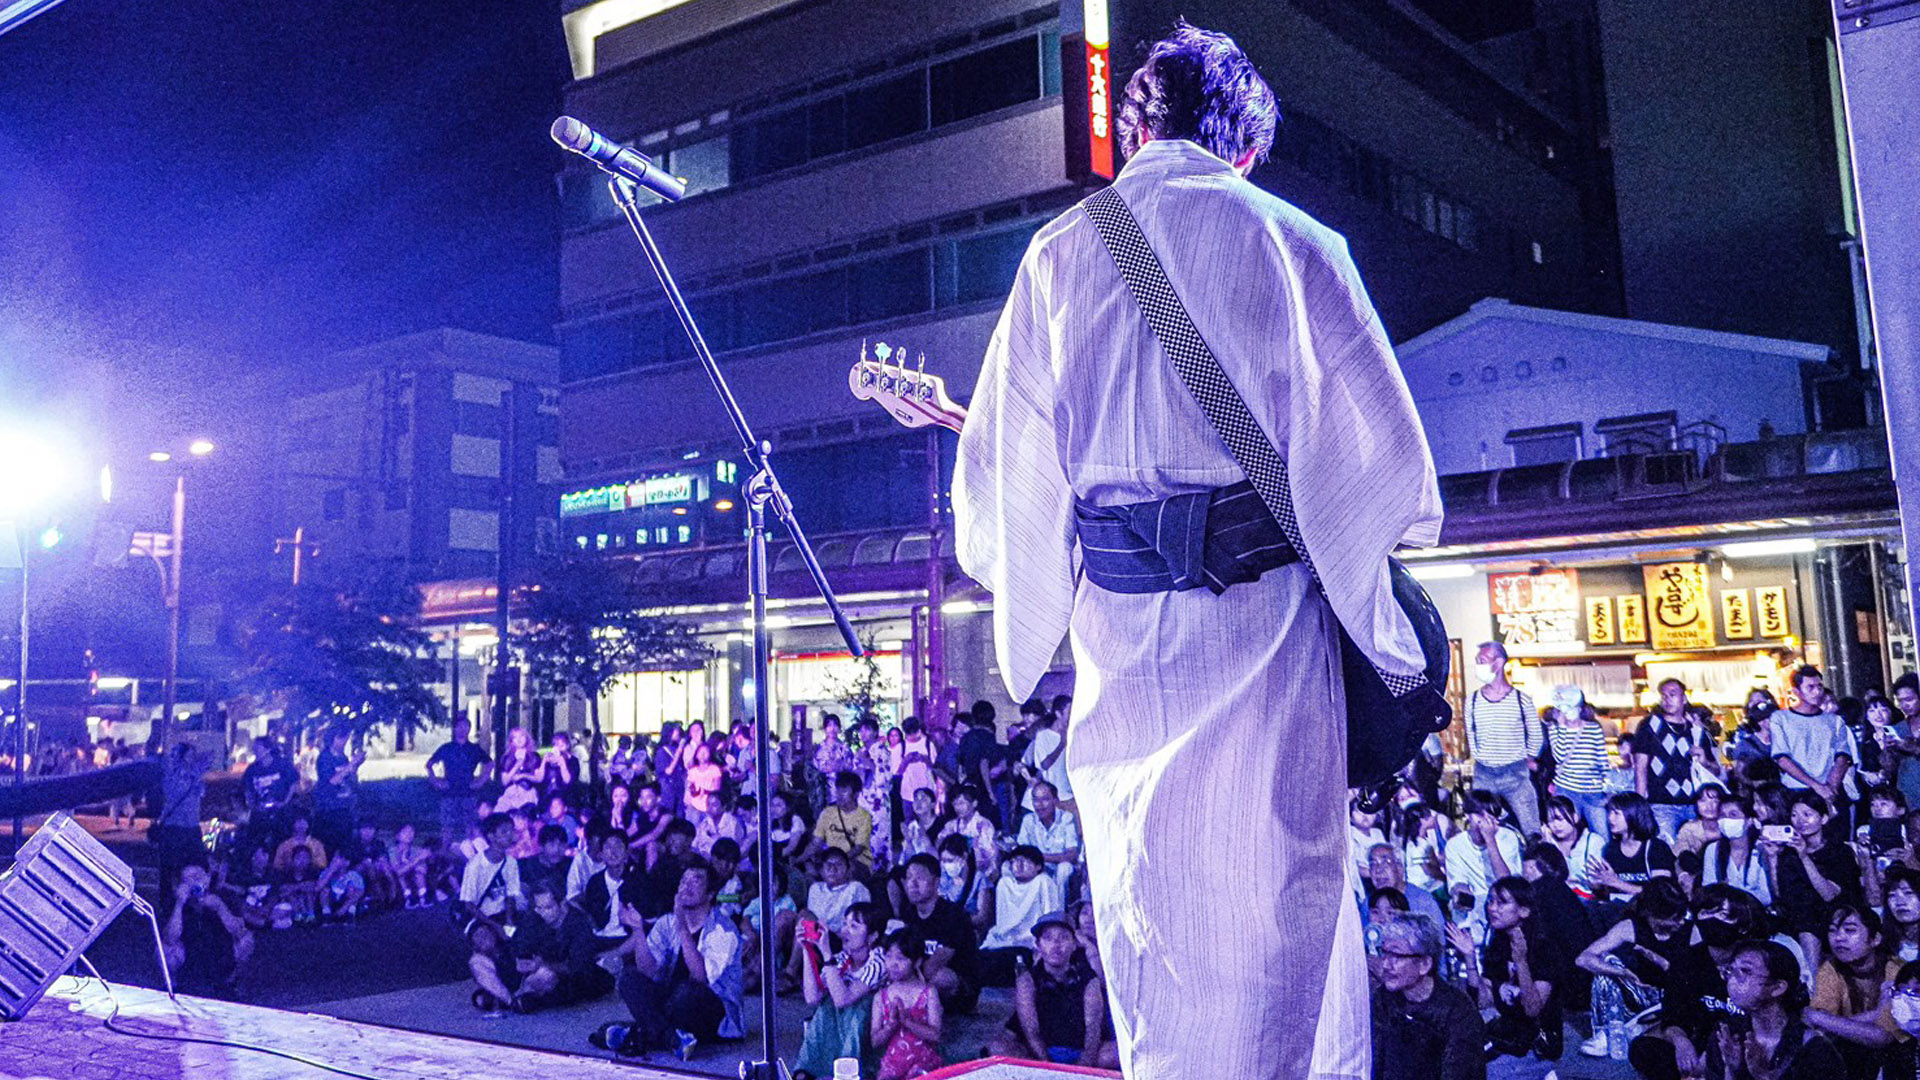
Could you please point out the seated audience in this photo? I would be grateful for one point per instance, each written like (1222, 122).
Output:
(1705, 826)
(1023, 895)
(555, 957)
(1515, 983)
(681, 980)
(549, 864)
(963, 882)
(845, 826)
(1423, 1028)
(907, 1017)
(1566, 829)
(1052, 830)
(952, 963)
(1384, 871)
(1675, 1046)
(342, 890)
(1480, 854)
(1060, 1005)
(204, 943)
(1631, 962)
(297, 886)
(840, 990)
(1634, 854)
(1848, 992)
(490, 889)
(1735, 858)
(968, 822)
(1770, 1038)
(410, 863)
(1810, 873)
(659, 881)
(300, 837)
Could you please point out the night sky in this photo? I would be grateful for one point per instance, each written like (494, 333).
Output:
(191, 191)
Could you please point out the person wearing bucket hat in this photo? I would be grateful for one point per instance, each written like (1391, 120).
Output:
(1579, 755)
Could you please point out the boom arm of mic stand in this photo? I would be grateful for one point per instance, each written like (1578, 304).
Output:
(756, 452)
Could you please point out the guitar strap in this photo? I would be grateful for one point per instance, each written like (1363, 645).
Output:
(1249, 444)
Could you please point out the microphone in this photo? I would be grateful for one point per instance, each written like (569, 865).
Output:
(621, 161)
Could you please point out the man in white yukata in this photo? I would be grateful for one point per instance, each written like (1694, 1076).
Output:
(1198, 710)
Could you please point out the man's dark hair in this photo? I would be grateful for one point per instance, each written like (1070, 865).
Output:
(1480, 801)
(1030, 853)
(547, 887)
(833, 853)
(1809, 798)
(1909, 681)
(494, 821)
(1661, 898)
(552, 834)
(697, 865)
(1395, 899)
(925, 862)
(725, 853)
(1033, 706)
(983, 712)
(846, 780)
(1804, 672)
(1553, 863)
(679, 827)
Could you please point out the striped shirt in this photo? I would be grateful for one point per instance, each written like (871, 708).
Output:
(1579, 757)
(1502, 732)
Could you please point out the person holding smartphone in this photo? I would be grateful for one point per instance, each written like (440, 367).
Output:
(1810, 872)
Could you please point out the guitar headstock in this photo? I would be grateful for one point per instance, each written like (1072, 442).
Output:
(915, 398)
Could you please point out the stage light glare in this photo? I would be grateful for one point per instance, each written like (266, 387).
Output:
(33, 470)
(159, 455)
(200, 447)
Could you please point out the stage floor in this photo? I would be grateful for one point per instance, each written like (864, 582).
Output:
(62, 1038)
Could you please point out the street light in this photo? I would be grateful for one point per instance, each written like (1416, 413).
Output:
(33, 471)
(198, 448)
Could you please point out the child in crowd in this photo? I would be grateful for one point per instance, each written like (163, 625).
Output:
(906, 1015)
(409, 861)
(840, 991)
(1022, 897)
(299, 885)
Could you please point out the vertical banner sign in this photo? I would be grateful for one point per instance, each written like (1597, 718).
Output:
(1633, 620)
(1599, 620)
(1681, 604)
(1536, 609)
(1099, 90)
(1770, 616)
(1735, 614)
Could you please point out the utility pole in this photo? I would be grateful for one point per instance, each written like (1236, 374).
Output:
(172, 695)
(301, 547)
(504, 677)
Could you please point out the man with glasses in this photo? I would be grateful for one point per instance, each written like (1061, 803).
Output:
(1423, 1028)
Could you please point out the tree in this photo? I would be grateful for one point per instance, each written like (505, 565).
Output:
(862, 695)
(581, 629)
(344, 655)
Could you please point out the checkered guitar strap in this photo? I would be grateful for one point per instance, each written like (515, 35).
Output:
(1226, 411)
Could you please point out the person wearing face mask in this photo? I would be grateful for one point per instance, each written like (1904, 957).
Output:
(1674, 1047)
(1504, 735)
(1903, 1008)
(1752, 742)
(1735, 858)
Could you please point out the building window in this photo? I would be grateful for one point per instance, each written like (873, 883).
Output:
(1546, 445)
(473, 530)
(475, 456)
(981, 82)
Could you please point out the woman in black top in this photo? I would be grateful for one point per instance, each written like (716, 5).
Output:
(1810, 874)
(1518, 977)
(1635, 855)
(1771, 1041)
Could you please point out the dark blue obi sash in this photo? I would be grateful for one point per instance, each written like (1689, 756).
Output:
(1214, 539)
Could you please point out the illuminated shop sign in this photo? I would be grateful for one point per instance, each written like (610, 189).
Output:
(658, 491)
(1099, 89)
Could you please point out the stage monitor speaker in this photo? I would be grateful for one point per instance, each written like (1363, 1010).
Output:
(63, 889)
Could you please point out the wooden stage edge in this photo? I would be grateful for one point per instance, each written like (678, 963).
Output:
(63, 1038)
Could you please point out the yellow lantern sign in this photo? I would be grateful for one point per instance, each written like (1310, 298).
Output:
(1770, 611)
(1681, 605)
(1736, 614)
(1599, 620)
(1633, 620)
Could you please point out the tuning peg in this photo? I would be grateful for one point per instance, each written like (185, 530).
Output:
(882, 350)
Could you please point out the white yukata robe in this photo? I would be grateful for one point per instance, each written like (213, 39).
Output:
(1208, 739)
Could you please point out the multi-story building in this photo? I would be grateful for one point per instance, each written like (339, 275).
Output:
(863, 172)
(407, 454)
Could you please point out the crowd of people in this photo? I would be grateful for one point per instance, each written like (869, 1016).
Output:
(913, 869)
(1728, 901)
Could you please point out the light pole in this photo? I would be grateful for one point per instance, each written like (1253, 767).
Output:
(32, 472)
(198, 448)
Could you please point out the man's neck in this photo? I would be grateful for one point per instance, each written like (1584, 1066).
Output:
(925, 908)
(1419, 991)
(1497, 690)
(1046, 817)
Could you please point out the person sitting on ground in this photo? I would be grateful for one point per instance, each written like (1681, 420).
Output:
(1384, 871)
(301, 836)
(1052, 830)
(1771, 1038)
(962, 882)
(791, 834)
(342, 889)
(1515, 981)
(682, 981)
(1365, 828)
(1848, 992)
(410, 862)
(555, 956)
(1810, 873)
(560, 812)
(650, 819)
(921, 833)
(839, 990)
(586, 858)
(1481, 854)
(204, 943)
(1060, 1005)
(846, 827)
(1673, 1048)
(550, 863)
(1631, 961)
(1735, 857)
(1561, 916)
(613, 887)
(298, 886)
(835, 892)
(1633, 856)
(907, 1017)
(1565, 828)
(1903, 1011)
(1023, 895)
(368, 856)
(1881, 839)
(968, 822)
(1901, 926)
(786, 916)
(1423, 1028)
(660, 879)
(1704, 829)
(719, 822)
(731, 897)
(490, 889)
(526, 838)
(952, 963)
(248, 885)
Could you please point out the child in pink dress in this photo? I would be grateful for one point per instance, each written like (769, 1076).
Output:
(906, 1014)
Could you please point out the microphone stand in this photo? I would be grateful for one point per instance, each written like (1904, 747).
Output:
(763, 493)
